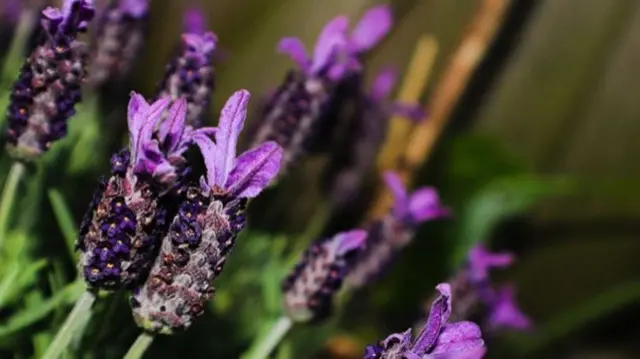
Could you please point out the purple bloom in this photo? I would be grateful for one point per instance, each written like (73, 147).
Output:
(194, 22)
(438, 338)
(480, 260)
(190, 75)
(118, 42)
(127, 216)
(309, 289)
(48, 88)
(504, 312)
(203, 232)
(390, 234)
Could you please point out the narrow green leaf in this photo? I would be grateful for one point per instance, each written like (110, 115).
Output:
(13, 285)
(65, 220)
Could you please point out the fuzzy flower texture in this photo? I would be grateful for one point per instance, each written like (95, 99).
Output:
(203, 232)
(437, 340)
(48, 88)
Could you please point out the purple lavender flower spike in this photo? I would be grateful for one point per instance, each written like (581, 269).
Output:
(504, 312)
(209, 218)
(437, 340)
(310, 288)
(190, 74)
(481, 260)
(48, 87)
(127, 217)
(118, 41)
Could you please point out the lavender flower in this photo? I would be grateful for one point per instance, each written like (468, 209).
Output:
(202, 234)
(309, 289)
(475, 294)
(390, 234)
(126, 219)
(293, 114)
(118, 42)
(438, 339)
(190, 74)
(48, 88)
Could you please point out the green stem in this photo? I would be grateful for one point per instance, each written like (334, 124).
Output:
(77, 318)
(8, 197)
(261, 349)
(139, 346)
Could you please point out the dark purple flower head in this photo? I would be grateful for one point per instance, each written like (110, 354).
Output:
(419, 206)
(438, 338)
(244, 176)
(119, 40)
(209, 218)
(48, 88)
(310, 288)
(505, 313)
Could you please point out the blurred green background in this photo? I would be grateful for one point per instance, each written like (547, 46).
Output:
(537, 157)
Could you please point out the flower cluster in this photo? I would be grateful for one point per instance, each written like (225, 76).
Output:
(390, 234)
(48, 88)
(118, 41)
(438, 338)
(190, 75)
(310, 288)
(293, 113)
(203, 232)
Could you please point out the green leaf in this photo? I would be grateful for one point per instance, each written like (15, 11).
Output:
(65, 220)
(16, 282)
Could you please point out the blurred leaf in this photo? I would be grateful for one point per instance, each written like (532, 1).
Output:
(65, 220)
(16, 283)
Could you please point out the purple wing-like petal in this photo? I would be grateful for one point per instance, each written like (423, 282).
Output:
(136, 111)
(438, 316)
(208, 150)
(135, 8)
(481, 260)
(254, 170)
(332, 37)
(293, 47)
(77, 14)
(395, 185)
(505, 312)
(350, 241)
(172, 128)
(458, 338)
(194, 22)
(371, 28)
(229, 127)
(403, 341)
(383, 84)
(424, 205)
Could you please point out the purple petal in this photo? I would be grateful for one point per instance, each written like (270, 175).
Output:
(331, 38)
(151, 161)
(481, 260)
(254, 170)
(293, 47)
(231, 122)
(505, 312)
(383, 84)
(438, 316)
(136, 111)
(403, 339)
(172, 128)
(458, 338)
(208, 150)
(194, 22)
(424, 205)
(350, 241)
(205, 131)
(395, 185)
(371, 28)
(134, 8)
(202, 44)
(77, 13)
(53, 14)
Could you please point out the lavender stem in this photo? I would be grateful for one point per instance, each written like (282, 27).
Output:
(8, 197)
(77, 318)
(262, 347)
(139, 346)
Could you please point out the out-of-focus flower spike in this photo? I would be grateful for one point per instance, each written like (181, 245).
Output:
(190, 74)
(127, 218)
(48, 88)
(505, 313)
(118, 41)
(480, 260)
(438, 338)
(310, 288)
(422, 205)
(372, 27)
(209, 218)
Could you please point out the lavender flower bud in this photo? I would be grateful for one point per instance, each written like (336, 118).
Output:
(119, 39)
(126, 218)
(191, 74)
(390, 234)
(310, 288)
(438, 339)
(203, 232)
(48, 88)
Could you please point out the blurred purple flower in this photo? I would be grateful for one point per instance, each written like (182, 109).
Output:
(209, 218)
(504, 312)
(194, 22)
(438, 338)
(48, 88)
(311, 286)
(480, 260)
(422, 205)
